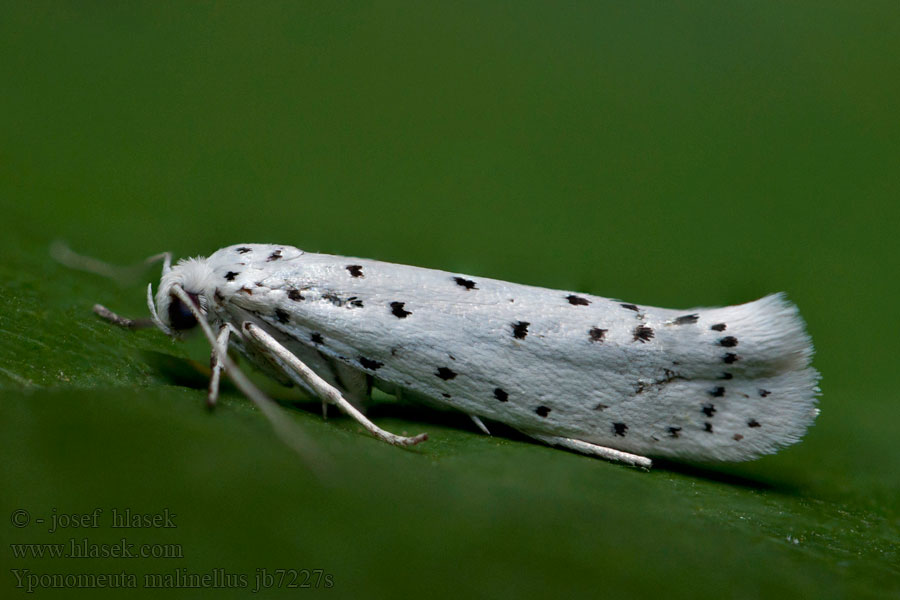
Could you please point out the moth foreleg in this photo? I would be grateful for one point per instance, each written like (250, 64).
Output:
(635, 460)
(104, 313)
(268, 345)
(216, 364)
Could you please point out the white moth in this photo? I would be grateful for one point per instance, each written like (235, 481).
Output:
(586, 373)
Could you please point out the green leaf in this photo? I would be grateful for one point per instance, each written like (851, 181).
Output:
(680, 156)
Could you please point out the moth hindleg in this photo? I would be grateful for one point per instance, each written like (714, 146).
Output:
(582, 447)
(479, 424)
(269, 346)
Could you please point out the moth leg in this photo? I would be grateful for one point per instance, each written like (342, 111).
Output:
(286, 430)
(610, 454)
(355, 386)
(216, 365)
(479, 424)
(105, 313)
(268, 345)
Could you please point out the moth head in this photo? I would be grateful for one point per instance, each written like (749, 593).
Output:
(181, 297)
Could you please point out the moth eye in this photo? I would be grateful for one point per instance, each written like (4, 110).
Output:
(180, 316)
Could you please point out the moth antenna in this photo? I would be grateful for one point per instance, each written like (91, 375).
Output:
(289, 433)
(64, 255)
(166, 258)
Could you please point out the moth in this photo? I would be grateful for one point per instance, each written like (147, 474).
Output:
(597, 376)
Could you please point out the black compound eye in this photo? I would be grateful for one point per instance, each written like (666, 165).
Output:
(180, 316)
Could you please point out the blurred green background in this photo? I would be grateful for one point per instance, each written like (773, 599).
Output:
(675, 154)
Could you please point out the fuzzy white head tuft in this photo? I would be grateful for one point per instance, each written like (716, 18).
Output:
(195, 277)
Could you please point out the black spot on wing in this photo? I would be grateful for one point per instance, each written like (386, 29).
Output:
(601, 407)
(230, 275)
(351, 302)
(520, 329)
(764, 393)
(596, 334)
(501, 395)
(445, 373)
(316, 338)
(643, 334)
(274, 256)
(669, 376)
(719, 327)
(737, 437)
(542, 411)
(687, 320)
(620, 429)
(577, 300)
(446, 395)
(717, 392)
(242, 250)
(728, 341)
(295, 295)
(630, 307)
(707, 427)
(730, 358)
(355, 270)
(398, 311)
(726, 375)
(283, 316)
(370, 364)
(674, 432)
(709, 410)
(466, 283)
(753, 423)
